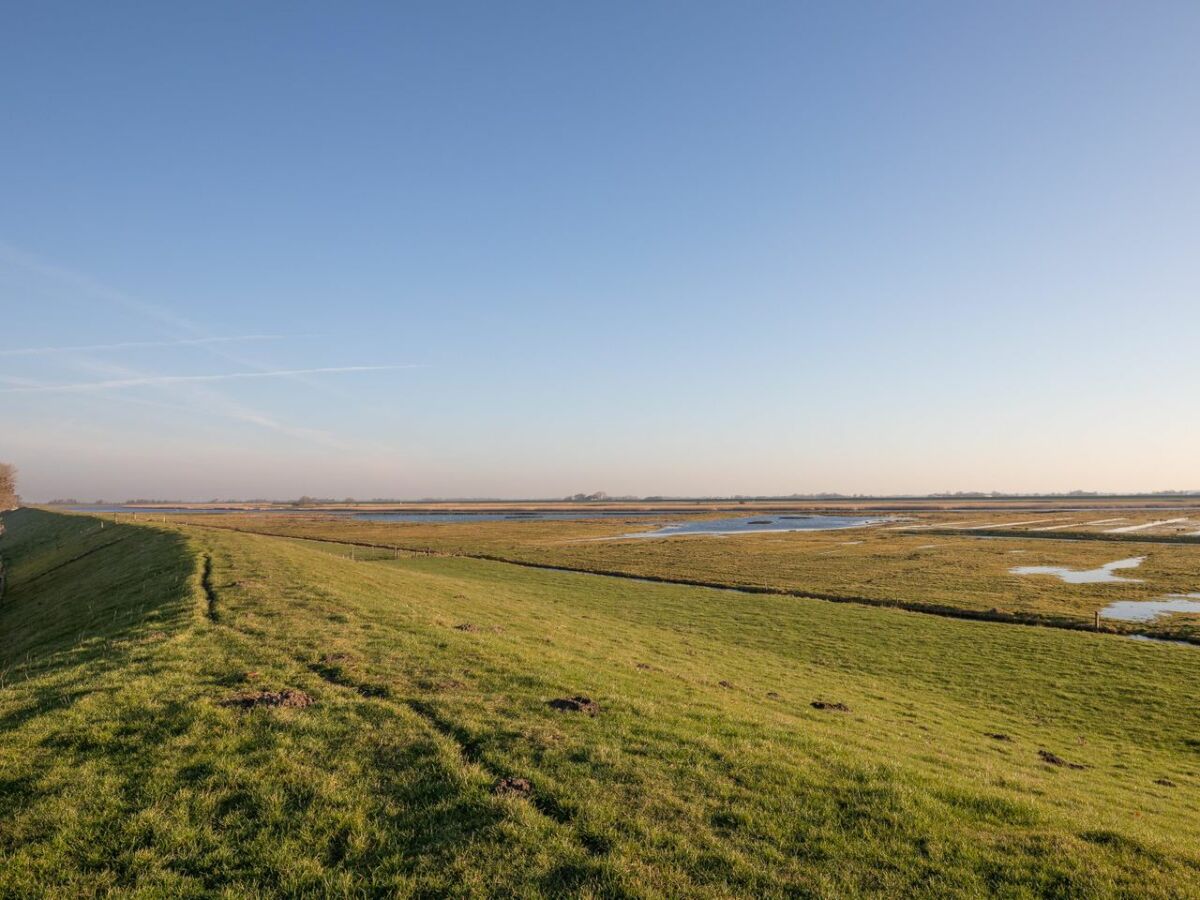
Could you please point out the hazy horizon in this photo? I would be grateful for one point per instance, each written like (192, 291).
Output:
(611, 498)
(382, 251)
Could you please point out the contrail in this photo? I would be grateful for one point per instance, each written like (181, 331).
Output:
(132, 345)
(214, 404)
(185, 330)
(117, 383)
(182, 326)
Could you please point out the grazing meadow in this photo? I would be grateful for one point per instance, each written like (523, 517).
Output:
(193, 710)
(915, 562)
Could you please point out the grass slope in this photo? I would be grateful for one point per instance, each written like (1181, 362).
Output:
(706, 772)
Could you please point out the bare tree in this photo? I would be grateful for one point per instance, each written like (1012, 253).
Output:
(8, 487)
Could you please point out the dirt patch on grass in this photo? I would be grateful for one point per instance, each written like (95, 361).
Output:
(287, 699)
(726, 684)
(999, 736)
(1054, 759)
(466, 626)
(519, 787)
(576, 704)
(830, 706)
(373, 690)
(1164, 782)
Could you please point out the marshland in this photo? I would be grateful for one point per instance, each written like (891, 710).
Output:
(614, 450)
(321, 703)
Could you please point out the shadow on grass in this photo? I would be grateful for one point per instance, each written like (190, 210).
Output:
(47, 699)
(79, 594)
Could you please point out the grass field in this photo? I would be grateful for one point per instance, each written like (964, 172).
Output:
(965, 573)
(971, 757)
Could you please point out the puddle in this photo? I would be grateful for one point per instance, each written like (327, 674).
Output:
(1149, 610)
(932, 525)
(1079, 524)
(1104, 574)
(1012, 524)
(1130, 528)
(1158, 640)
(758, 525)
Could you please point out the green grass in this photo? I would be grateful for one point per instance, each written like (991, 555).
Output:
(706, 773)
(952, 575)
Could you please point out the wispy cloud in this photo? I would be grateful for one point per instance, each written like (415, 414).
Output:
(191, 390)
(140, 381)
(162, 316)
(135, 345)
(14, 256)
(206, 402)
(18, 381)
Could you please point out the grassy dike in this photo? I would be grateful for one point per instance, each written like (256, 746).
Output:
(971, 757)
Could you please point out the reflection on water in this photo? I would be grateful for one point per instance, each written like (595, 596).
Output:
(1084, 576)
(1149, 610)
(758, 525)
(791, 522)
(1161, 640)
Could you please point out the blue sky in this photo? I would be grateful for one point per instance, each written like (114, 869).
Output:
(540, 248)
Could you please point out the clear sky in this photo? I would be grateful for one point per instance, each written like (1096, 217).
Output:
(529, 249)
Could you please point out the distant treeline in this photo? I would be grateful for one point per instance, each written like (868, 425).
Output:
(8, 487)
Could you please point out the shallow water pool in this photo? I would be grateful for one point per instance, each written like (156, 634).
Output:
(1101, 575)
(1149, 610)
(759, 524)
